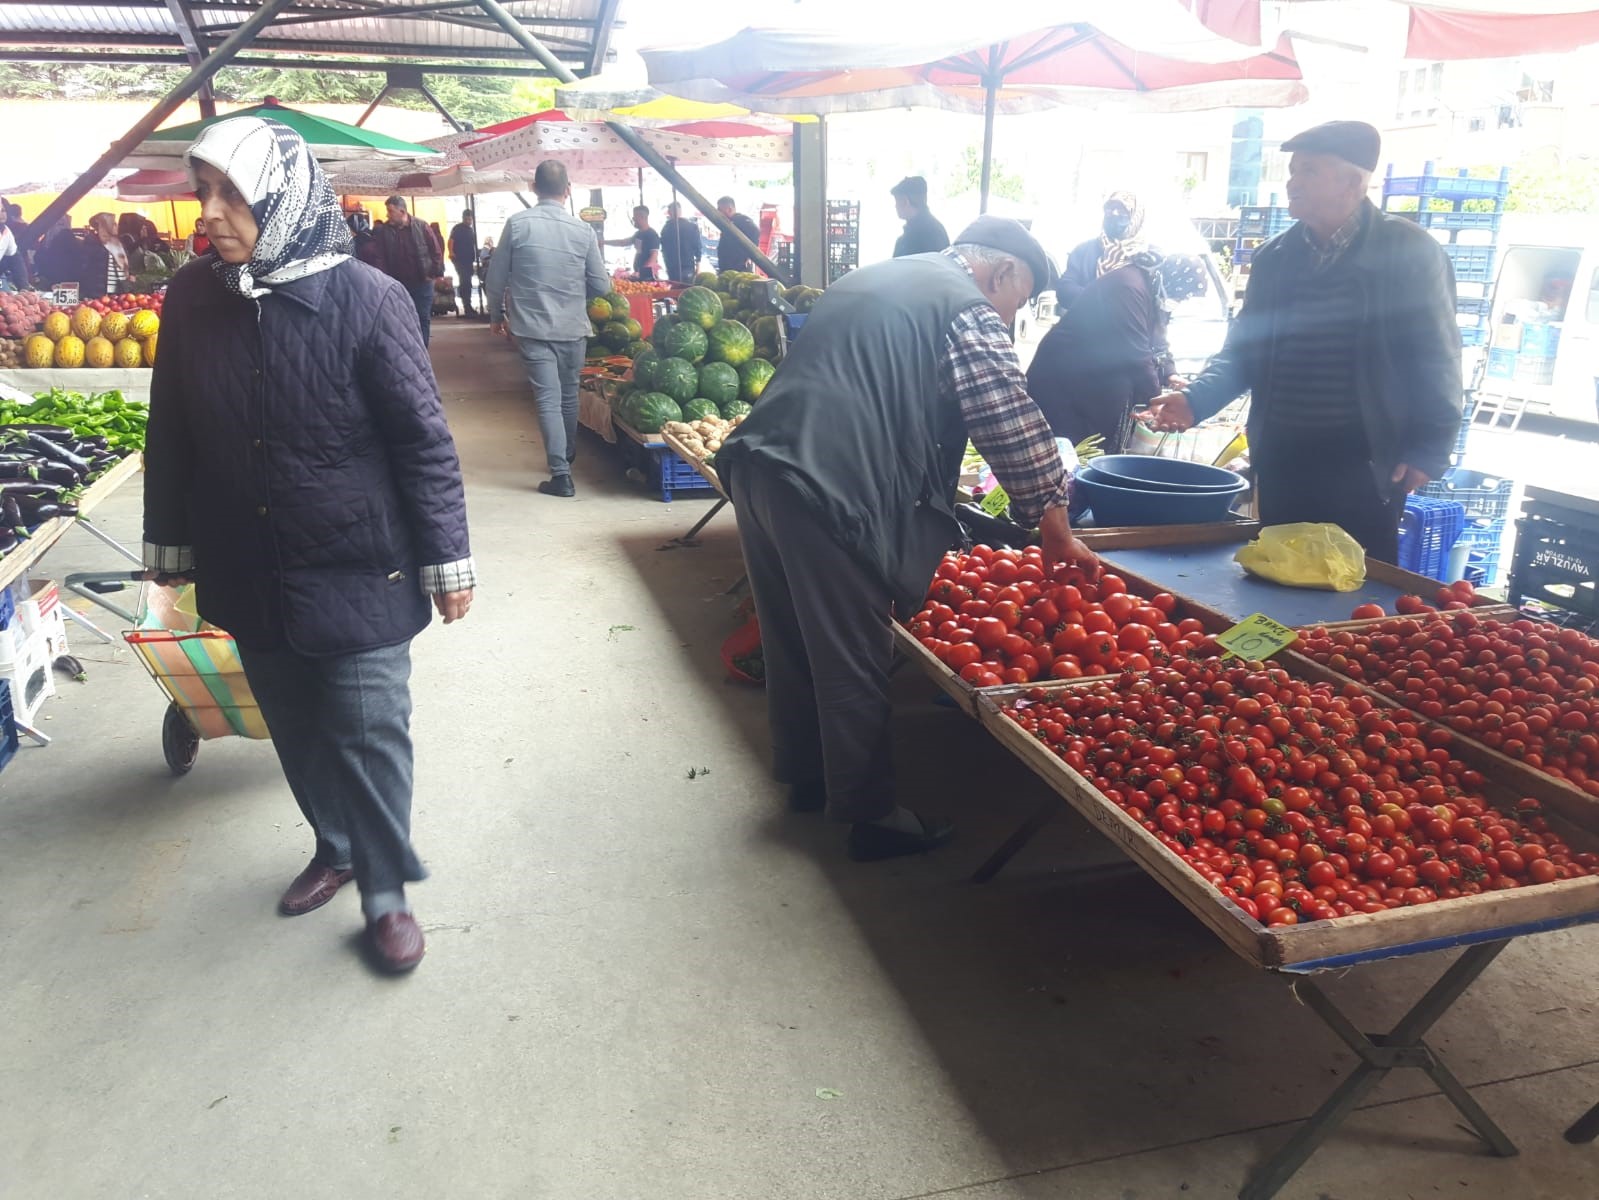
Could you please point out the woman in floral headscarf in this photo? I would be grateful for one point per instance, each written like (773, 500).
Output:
(300, 473)
(1117, 244)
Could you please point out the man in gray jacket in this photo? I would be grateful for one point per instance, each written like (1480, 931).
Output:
(1348, 344)
(544, 270)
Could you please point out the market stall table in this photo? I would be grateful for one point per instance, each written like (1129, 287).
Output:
(670, 472)
(707, 473)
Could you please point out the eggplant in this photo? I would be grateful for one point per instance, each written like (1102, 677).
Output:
(45, 512)
(58, 453)
(58, 473)
(8, 540)
(10, 513)
(25, 469)
(51, 430)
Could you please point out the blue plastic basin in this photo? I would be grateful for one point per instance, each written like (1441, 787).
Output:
(1162, 474)
(1112, 505)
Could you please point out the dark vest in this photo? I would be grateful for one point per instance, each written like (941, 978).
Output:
(856, 424)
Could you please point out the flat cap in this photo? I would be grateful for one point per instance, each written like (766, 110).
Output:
(1353, 141)
(1001, 233)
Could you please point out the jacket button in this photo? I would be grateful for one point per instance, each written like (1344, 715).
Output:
(257, 443)
(261, 512)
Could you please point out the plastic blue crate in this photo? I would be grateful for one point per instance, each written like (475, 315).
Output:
(1501, 363)
(1540, 341)
(1458, 186)
(8, 608)
(1474, 335)
(671, 474)
(1473, 306)
(1242, 254)
(1482, 568)
(9, 741)
(1427, 533)
(1456, 220)
(1484, 497)
(1473, 264)
(1263, 221)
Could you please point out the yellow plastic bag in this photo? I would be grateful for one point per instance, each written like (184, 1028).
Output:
(1306, 555)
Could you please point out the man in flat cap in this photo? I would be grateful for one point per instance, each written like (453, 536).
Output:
(844, 479)
(1347, 341)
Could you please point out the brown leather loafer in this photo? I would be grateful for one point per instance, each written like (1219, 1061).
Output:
(397, 941)
(312, 888)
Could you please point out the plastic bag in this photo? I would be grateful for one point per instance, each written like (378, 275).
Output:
(1306, 555)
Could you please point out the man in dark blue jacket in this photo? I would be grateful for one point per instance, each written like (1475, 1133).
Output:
(1347, 342)
(463, 255)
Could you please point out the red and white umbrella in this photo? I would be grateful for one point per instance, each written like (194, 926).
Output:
(1463, 29)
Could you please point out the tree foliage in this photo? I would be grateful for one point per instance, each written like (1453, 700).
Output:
(968, 177)
(1569, 186)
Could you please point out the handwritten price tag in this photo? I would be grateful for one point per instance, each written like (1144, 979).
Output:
(1256, 637)
(996, 503)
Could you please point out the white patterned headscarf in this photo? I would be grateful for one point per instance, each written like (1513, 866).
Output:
(301, 227)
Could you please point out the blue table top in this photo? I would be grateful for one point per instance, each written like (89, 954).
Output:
(1209, 575)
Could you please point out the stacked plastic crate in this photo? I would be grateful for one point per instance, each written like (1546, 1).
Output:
(1256, 224)
(1486, 502)
(1451, 206)
(843, 238)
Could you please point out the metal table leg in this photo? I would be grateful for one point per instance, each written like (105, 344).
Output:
(688, 539)
(1048, 809)
(1586, 1127)
(1379, 1054)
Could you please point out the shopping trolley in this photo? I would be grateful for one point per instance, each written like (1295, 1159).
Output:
(195, 664)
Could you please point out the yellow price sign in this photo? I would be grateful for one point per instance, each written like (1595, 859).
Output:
(1256, 637)
(996, 503)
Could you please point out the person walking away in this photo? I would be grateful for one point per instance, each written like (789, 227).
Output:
(463, 256)
(1117, 244)
(1107, 355)
(680, 245)
(730, 253)
(924, 233)
(542, 274)
(404, 249)
(843, 480)
(299, 471)
(646, 245)
(1348, 342)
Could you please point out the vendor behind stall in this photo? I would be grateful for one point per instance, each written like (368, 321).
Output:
(1348, 342)
(843, 479)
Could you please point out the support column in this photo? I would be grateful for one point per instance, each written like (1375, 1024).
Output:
(810, 202)
(151, 121)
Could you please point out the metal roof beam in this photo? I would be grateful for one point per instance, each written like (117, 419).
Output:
(184, 20)
(155, 58)
(290, 45)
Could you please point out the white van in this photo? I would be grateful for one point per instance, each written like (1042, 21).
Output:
(1542, 350)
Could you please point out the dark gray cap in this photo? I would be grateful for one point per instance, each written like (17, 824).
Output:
(1001, 233)
(1353, 141)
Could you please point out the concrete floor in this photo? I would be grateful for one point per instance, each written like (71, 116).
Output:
(645, 987)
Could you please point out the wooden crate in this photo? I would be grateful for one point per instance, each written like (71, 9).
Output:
(1358, 937)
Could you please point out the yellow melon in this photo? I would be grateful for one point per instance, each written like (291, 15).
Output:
(98, 352)
(149, 350)
(39, 351)
(129, 353)
(56, 326)
(114, 325)
(144, 324)
(69, 351)
(85, 322)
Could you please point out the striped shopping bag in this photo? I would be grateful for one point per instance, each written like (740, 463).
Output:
(197, 666)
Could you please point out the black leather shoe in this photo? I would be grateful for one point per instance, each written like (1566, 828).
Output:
(807, 797)
(873, 843)
(561, 485)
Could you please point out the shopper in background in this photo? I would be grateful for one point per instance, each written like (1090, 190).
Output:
(61, 256)
(843, 480)
(924, 233)
(198, 242)
(646, 245)
(1347, 341)
(1107, 355)
(463, 256)
(410, 251)
(103, 262)
(540, 279)
(1117, 245)
(299, 471)
(13, 264)
(680, 245)
(730, 253)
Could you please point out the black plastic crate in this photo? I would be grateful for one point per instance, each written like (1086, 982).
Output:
(1556, 564)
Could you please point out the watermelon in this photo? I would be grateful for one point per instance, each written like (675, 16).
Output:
(753, 377)
(699, 409)
(701, 306)
(658, 334)
(651, 410)
(730, 342)
(634, 329)
(635, 348)
(619, 306)
(645, 365)
(705, 279)
(766, 331)
(616, 336)
(677, 379)
(599, 310)
(733, 408)
(685, 341)
(719, 383)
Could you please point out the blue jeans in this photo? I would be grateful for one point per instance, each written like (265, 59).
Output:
(422, 297)
(342, 730)
(552, 369)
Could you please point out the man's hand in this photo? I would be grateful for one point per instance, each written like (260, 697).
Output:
(1407, 477)
(1060, 544)
(453, 606)
(501, 328)
(1169, 413)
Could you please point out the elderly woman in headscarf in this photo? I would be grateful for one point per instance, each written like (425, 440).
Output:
(1117, 244)
(300, 473)
(1107, 355)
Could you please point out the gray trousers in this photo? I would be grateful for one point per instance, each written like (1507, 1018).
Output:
(342, 730)
(552, 369)
(828, 645)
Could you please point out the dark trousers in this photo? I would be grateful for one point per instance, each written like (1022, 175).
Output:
(1335, 487)
(422, 297)
(828, 646)
(463, 272)
(342, 730)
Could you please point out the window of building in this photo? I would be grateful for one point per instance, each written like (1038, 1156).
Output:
(1593, 298)
(1437, 78)
(1195, 165)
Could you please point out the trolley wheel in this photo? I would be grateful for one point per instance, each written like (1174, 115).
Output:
(179, 742)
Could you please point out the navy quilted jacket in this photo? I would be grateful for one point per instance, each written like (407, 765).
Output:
(298, 444)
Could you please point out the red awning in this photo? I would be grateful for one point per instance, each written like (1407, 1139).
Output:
(1236, 20)
(1441, 34)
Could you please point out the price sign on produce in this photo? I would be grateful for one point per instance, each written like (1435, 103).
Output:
(1256, 637)
(65, 295)
(996, 503)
